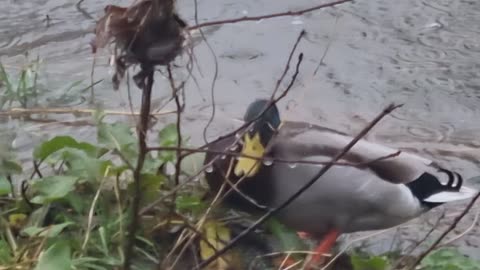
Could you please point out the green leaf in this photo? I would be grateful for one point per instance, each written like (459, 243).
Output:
(84, 166)
(50, 231)
(150, 185)
(189, 202)
(369, 263)
(52, 188)
(8, 167)
(192, 163)
(168, 135)
(80, 203)
(4, 79)
(448, 259)
(5, 187)
(57, 256)
(288, 238)
(151, 164)
(49, 147)
(116, 136)
(168, 138)
(6, 255)
(37, 217)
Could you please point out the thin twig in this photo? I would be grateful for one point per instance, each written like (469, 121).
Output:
(83, 11)
(326, 49)
(179, 157)
(397, 264)
(287, 66)
(142, 144)
(92, 72)
(214, 79)
(277, 160)
(446, 232)
(36, 169)
(466, 231)
(322, 171)
(178, 125)
(268, 16)
(272, 102)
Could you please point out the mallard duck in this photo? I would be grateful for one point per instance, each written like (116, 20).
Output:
(352, 196)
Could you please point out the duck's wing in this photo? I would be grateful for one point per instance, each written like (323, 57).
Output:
(298, 140)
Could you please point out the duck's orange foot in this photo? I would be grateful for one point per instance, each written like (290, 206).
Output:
(322, 251)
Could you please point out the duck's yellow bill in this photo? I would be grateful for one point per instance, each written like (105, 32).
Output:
(252, 146)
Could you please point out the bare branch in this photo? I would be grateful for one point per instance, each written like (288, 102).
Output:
(287, 66)
(298, 161)
(269, 16)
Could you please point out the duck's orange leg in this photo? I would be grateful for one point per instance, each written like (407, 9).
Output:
(323, 248)
(288, 261)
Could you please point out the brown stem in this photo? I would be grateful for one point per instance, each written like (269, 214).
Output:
(273, 211)
(269, 16)
(142, 145)
(179, 133)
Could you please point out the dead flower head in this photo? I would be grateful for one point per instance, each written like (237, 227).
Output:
(148, 33)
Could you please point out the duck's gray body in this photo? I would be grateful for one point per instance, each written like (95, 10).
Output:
(377, 195)
(346, 198)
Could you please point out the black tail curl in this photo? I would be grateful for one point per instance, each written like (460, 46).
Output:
(428, 184)
(451, 180)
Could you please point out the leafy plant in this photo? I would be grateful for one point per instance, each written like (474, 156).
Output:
(448, 259)
(81, 192)
(21, 90)
(360, 262)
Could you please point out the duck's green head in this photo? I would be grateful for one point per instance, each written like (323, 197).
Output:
(256, 138)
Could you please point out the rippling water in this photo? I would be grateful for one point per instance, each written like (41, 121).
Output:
(421, 53)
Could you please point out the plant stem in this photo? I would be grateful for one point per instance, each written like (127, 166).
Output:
(142, 130)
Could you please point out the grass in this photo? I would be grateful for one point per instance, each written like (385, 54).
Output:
(24, 89)
(21, 89)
